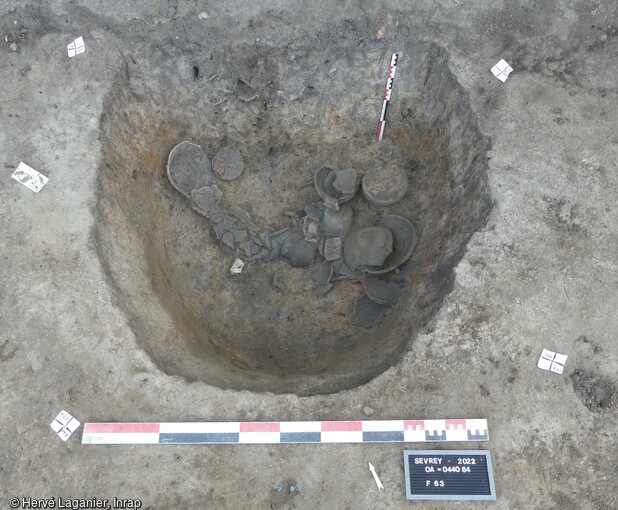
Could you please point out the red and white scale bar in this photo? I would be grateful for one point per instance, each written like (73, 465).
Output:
(287, 432)
(387, 95)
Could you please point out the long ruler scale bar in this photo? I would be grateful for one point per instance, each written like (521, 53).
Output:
(387, 95)
(287, 432)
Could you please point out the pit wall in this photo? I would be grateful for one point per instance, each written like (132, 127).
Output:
(166, 270)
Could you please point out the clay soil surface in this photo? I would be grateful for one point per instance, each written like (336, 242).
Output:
(518, 255)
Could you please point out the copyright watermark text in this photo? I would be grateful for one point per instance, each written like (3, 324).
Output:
(74, 503)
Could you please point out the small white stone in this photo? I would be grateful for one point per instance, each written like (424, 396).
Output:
(237, 266)
(202, 15)
(368, 411)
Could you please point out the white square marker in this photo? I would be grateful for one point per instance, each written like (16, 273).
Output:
(29, 177)
(73, 425)
(64, 417)
(552, 361)
(502, 70)
(56, 426)
(64, 434)
(64, 425)
(76, 47)
(555, 367)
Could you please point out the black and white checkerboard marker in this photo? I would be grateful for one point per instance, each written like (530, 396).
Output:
(387, 95)
(76, 47)
(64, 425)
(552, 361)
(502, 70)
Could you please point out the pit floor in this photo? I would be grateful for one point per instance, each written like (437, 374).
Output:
(543, 272)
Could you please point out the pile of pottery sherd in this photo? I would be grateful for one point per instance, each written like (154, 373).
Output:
(378, 256)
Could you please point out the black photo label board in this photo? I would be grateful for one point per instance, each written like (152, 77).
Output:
(449, 474)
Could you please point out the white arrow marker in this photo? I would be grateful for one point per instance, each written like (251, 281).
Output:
(375, 477)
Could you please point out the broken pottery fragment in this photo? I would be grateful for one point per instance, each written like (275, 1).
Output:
(404, 243)
(274, 243)
(341, 271)
(346, 182)
(337, 222)
(302, 253)
(367, 246)
(315, 211)
(404, 270)
(367, 313)
(239, 213)
(322, 278)
(205, 197)
(239, 235)
(324, 288)
(189, 168)
(381, 290)
(228, 164)
(265, 239)
(228, 240)
(333, 248)
(324, 184)
(310, 228)
(222, 228)
(250, 248)
(278, 284)
(298, 251)
(279, 237)
(265, 254)
(215, 214)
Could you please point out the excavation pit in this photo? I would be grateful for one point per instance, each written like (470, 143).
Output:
(267, 329)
